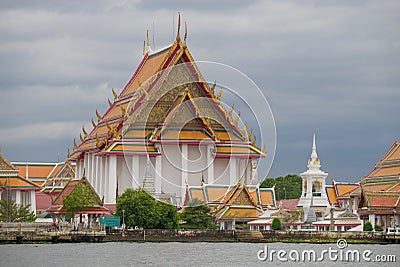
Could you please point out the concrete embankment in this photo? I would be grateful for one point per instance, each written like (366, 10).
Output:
(36, 232)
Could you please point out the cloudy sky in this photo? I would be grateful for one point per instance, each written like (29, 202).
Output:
(330, 67)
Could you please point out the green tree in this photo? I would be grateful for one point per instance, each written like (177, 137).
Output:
(367, 226)
(288, 187)
(378, 228)
(81, 198)
(276, 224)
(197, 216)
(10, 211)
(143, 211)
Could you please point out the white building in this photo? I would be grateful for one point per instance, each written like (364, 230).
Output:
(314, 201)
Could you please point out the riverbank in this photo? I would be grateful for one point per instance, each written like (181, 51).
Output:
(37, 233)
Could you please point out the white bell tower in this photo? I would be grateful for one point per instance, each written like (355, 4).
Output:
(313, 200)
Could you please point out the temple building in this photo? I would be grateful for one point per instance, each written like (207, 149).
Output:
(93, 212)
(15, 187)
(168, 120)
(49, 177)
(232, 204)
(378, 197)
(313, 201)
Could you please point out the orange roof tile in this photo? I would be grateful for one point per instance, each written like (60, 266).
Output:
(331, 193)
(345, 189)
(267, 197)
(18, 182)
(197, 193)
(35, 171)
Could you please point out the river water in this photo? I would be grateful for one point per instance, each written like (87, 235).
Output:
(187, 254)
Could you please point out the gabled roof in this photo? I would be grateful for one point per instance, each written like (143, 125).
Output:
(57, 203)
(140, 112)
(5, 165)
(59, 177)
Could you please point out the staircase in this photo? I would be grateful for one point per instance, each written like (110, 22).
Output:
(249, 236)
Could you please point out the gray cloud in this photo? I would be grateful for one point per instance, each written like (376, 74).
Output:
(329, 67)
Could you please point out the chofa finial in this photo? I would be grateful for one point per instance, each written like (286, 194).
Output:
(178, 34)
(185, 36)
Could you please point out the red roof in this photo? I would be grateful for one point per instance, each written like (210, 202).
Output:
(43, 201)
(289, 204)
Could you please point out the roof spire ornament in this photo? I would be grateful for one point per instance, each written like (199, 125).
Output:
(75, 146)
(93, 124)
(98, 116)
(249, 134)
(84, 132)
(68, 154)
(185, 36)
(115, 94)
(144, 48)
(80, 137)
(178, 34)
(219, 95)
(237, 119)
(109, 102)
(147, 40)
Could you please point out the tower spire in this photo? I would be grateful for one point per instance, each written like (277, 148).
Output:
(314, 155)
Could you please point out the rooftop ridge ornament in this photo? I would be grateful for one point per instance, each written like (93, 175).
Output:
(84, 132)
(148, 40)
(144, 48)
(185, 36)
(109, 102)
(93, 124)
(75, 146)
(178, 34)
(219, 95)
(115, 94)
(80, 137)
(98, 116)
(237, 119)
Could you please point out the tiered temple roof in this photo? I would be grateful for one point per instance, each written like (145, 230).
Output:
(340, 191)
(380, 189)
(240, 201)
(158, 104)
(10, 178)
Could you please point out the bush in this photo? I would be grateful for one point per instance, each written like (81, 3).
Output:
(276, 224)
(367, 226)
(378, 228)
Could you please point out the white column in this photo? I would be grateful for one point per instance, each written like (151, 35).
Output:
(85, 164)
(18, 197)
(210, 162)
(323, 193)
(135, 171)
(157, 182)
(96, 175)
(100, 181)
(93, 169)
(232, 171)
(33, 200)
(184, 171)
(112, 178)
(106, 187)
(309, 187)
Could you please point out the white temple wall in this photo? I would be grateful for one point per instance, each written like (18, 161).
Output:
(221, 171)
(123, 174)
(197, 165)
